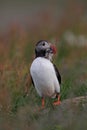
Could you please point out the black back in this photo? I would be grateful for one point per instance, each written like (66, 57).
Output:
(57, 73)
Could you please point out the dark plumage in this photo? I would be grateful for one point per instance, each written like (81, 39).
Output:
(57, 74)
(38, 51)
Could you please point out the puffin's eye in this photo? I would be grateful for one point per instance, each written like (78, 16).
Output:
(43, 44)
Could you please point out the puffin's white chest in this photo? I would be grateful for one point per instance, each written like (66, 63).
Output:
(44, 77)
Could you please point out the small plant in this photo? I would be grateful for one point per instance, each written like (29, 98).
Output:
(66, 89)
(81, 90)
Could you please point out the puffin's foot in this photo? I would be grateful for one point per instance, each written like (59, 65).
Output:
(42, 104)
(58, 102)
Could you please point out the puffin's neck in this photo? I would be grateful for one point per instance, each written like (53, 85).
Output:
(44, 55)
(40, 54)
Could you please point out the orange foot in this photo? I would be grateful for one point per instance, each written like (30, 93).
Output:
(43, 104)
(57, 103)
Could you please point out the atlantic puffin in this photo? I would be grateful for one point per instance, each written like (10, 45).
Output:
(44, 74)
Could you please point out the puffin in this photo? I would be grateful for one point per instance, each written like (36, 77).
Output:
(44, 73)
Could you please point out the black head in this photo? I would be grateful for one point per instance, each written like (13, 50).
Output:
(44, 49)
(41, 48)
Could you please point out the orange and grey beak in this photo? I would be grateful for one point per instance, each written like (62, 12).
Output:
(53, 49)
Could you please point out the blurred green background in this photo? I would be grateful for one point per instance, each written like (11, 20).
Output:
(22, 24)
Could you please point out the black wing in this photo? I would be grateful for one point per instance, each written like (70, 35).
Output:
(32, 80)
(57, 73)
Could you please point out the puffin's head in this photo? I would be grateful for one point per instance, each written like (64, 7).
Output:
(45, 49)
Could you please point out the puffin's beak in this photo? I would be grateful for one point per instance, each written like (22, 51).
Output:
(53, 48)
